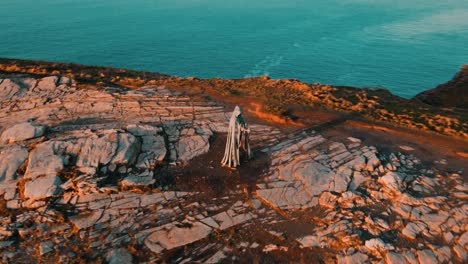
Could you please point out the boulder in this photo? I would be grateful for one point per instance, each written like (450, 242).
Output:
(8, 89)
(11, 158)
(42, 187)
(48, 83)
(21, 132)
(127, 150)
(43, 160)
(153, 150)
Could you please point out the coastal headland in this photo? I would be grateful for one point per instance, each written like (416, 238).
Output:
(104, 165)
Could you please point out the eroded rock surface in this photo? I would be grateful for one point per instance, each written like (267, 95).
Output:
(90, 187)
(390, 198)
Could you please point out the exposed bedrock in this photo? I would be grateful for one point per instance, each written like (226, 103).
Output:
(79, 171)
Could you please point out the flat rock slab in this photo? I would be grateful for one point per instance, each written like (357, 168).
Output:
(176, 235)
(285, 197)
(86, 221)
(227, 220)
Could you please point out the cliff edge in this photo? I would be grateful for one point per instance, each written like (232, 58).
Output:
(453, 93)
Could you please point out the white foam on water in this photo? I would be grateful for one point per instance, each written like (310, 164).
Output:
(448, 22)
(263, 67)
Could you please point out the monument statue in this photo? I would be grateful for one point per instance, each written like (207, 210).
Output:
(237, 138)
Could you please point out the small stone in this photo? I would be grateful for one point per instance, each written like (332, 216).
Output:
(46, 247)
(309, 241)
(463, 240)
(354, 140)
(394, 258)
(327, 200)
(4, 244)
(356, 258)
(119, 256)
(461, 253)
(216, 258)
(406, 148)
(412, 230)
(448, 237)
(135, 180)
(410, 258)
(272, 247)
(377, 244)
(443, 254)
(13, 204)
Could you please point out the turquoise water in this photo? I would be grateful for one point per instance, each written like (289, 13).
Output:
(404, 45)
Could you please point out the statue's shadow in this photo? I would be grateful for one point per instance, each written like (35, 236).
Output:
(205, 174)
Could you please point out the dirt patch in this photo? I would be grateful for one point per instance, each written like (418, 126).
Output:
(206, 175)
(428, 147)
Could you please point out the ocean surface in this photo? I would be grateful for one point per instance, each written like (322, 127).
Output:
(406, 46)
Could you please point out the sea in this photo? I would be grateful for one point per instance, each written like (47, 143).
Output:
(406, 46)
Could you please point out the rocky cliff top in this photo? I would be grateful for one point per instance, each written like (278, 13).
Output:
(279, 99)
(127, 169)
(454, 93)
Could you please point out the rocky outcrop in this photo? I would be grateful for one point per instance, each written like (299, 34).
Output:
(365, 192)
(21, 132)
(300, 172)
(275, 100)
(454, 93)
(97, 131)
(89, 187)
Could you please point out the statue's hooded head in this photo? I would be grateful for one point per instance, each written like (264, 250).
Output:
(237, 111)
